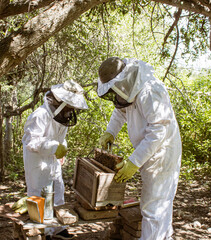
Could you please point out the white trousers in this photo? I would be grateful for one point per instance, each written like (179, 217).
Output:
(37, 179)
(160, 177)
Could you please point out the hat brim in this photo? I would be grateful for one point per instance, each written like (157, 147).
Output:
(75, 100)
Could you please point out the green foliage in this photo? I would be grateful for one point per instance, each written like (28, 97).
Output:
(194, 35)
(190, 169)
(14, 23)
(193, 111)
(15, 167)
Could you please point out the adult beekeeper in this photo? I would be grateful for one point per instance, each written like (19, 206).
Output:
(143, 102)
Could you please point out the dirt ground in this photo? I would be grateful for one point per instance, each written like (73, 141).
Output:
(192, 206)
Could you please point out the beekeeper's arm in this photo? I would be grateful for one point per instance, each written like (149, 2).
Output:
(156, 108)
(118, 118)
(115, 124)
(34, 137)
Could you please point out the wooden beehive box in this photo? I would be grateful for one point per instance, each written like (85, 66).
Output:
(95, 184)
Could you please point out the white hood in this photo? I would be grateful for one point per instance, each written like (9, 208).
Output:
(71, 93)
(129, 82)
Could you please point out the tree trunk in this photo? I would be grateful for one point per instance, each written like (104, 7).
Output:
(1, 142)
(8, 140)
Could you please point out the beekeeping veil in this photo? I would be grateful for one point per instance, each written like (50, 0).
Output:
(126, 79)
(64, 100)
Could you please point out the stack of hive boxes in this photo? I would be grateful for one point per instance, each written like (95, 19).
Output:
(127, 225)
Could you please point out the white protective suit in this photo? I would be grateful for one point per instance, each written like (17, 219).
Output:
(42, 136)
(154, 133)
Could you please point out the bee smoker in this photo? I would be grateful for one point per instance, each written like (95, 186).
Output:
(48, 194)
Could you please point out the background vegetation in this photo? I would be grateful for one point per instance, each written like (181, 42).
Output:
(125, 30)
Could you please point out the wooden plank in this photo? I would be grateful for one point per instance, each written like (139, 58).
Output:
(87, 162)
(128, 236)
(132, 214)
(117, 187)
(109, 203)
(104, 184)
(91, 215)
(84, 182)
(84, 176)
(94, 189)
(116, 197)
(116, 191)
(83, 198)
(101, 166)
(85, 204)
(65, 214)
(84, 171)
(75, 172)
(133, 232)
(130, 204)
(135, 225)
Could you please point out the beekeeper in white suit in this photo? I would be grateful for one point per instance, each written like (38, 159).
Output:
(44, 144)
(44, 141)
(143, 102)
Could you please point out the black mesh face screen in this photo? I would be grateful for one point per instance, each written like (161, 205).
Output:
(118, 101)
(66, 117)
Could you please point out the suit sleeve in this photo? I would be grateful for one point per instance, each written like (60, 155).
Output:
(118, 118)
(34, 139)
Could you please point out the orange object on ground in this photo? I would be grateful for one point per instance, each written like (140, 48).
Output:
(36, 207)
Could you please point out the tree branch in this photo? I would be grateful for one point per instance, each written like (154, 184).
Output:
(173, 57)
(133, 26)
(19, 110)
(151, 25)
(205, 3)
(16, 47)
(177, 16)
(210, 33)
(189, 5)
(11, 8)
(187, 100)
(106, 29)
